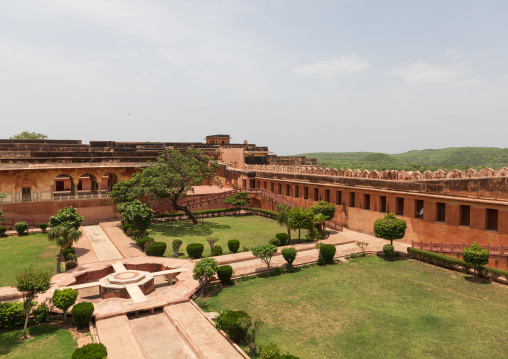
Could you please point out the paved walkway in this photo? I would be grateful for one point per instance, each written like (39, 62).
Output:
(101, 244)
(118, 337)
(124, 244)
(84, 249)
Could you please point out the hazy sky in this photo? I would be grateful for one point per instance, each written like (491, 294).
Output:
(297, 76)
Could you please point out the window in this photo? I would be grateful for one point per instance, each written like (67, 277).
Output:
(327, 195)
(400, 206)
(305, 192)
(491, 220)
(244, 183)
(287, 190)
(297, 191)
(316, 194)
(279, 188)
(419, 208)
(440, 212)
(465, 215)
(265, 184)
(26, 194)
(272, 186)
(366, 202)
(338, 198)
(382, 204)
(351, 199)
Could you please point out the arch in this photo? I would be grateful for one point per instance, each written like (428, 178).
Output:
(454, 174)
(326, 172)
(318, 171)
(364, 174)
(333, 172)
(348, 173)
(439, 174)
(403, 176)
(108, 181)
(427, 174)
(374, 174)
(356, 173)
(63, 185)
(88, 184)
(501, 172)
(486, 172)
(470, 173)
(340, 172)
(416, 175)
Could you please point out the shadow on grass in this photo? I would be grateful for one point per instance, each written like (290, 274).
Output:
(186, 228)
(9, 341)
(477, 280)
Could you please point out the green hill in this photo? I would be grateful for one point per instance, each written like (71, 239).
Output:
(460, 158)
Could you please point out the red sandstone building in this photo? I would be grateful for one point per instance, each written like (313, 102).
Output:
(42, 176)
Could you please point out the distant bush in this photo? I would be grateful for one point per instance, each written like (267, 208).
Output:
(270, 351)
(142, 241)
(70, 264)
(157, 249)
(43, 227)
(225, 273)
(326, 253)
(231, 326)
(283, 238)
(195, 250)
(21, 228)
(234, 245)
(82, 313)
(289, 255)
(217, 250)
(177, 243)
(389, 252)
(69, 251)
(91, 351)
(3, 229)
(274, 241)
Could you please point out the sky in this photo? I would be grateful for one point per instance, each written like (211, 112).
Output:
(296, 76)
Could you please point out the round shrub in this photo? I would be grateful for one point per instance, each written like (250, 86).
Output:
(177, 243)
(43, 227)
(289, 255)
(142, 241)
(217, 251)
(3, 229)
(225, 273)
(327, 252)
(275, 241)
(283, 238)
(82, 313)
(90, 351)
(388, 251)
(157, 249)
(146, 248)
(68, 251)
(230, 324)
(195, 250)
(70, 264)
(21, 228)
(270, 351)
(234, 245)
(41, 314)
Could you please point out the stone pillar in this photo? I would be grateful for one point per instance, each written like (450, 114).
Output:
(75, 187)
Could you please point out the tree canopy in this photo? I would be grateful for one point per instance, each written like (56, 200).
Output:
(475, 256)
(301, 218)
(27, 135)
(238, 200)
(67, 217)
(390, 228)
(283, 218)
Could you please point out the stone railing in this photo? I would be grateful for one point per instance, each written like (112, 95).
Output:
(382, 175)
(494, 250)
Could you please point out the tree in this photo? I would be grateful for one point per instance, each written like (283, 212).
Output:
(27, 135)
(175, 173)
(265, 252)
(31, 282)
(289, 255)
(67, 217)
(127, 190)
(301, 218)
(64, 299)
(64, 237)
(204, 270)
(138, 215)
(390, 228)
(475, 256)
(250, 328)
(283, 218)
(326, 209)
(211, 242)
(238, 200)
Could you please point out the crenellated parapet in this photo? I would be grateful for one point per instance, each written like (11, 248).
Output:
(392, 175)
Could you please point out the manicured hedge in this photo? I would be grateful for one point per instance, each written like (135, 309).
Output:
(67, 251)
(234, 245)
(43, 227)
(217, 251)
(91, 351)
(216, 212)
(195, 250)
(270, 351)
(21, 228)
(142, 241)
(82, 313)
(3, 229)
(388, 251)
(326, 253)
(283, 238)
(157, 249)
(225, 273)
(230, 324)
(70, 264)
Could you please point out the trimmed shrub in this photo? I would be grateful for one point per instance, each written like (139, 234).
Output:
(67, 252)
(225, 273)
(70, 264)
(218, 319)
(326, 253)
(3, 229)
(64, 299)
(11, 315)
(389, 252)
(21, 228)
(126, 228)
(283, 238)
(195, 250)
(289, 255)
(91, 351)
(274, 241)
(177, 243)
(41, 314)
(142, 241)
(234, 245)
(231, 326)
(43, 227)
(270, 351)
(157, 249)
(82, 313)
(217, 251)
(146, 248)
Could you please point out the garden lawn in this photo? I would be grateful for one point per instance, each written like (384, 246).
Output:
(249, 230)
(47, 342)
(16, 253)
(370, 308)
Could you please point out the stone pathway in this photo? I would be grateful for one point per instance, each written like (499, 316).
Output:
(119, 338)
(124, 244)
(101, 244)
(84, 249)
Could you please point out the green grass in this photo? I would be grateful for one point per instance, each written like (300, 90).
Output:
(17, 253)
(47, 342)
(370, 308)
(249, 230)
